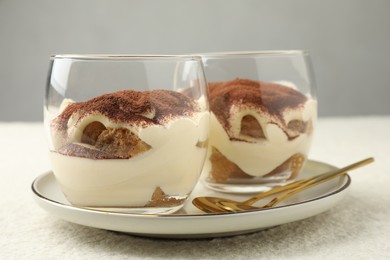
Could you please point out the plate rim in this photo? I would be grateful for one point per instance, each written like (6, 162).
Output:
(195, 225)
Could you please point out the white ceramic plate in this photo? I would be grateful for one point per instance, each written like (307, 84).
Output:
(190, 222)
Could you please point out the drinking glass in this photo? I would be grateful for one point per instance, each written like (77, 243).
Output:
(127, 133)
(263, 114)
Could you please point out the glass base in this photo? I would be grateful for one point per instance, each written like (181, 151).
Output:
(136, 210)
(248, 185)
(157, 206)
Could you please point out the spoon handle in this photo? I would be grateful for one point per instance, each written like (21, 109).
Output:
(300, 185)
(319, 180)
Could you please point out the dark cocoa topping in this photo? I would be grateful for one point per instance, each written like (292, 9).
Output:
(267, 97)
(130, 106)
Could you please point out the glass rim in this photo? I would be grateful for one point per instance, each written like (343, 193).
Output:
(118, 57)
(253, 53)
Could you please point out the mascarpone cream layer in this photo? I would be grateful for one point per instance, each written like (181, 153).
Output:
(173, 163)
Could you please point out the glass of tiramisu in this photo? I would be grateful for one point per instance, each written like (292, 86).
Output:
(263, 112)
(127, 133)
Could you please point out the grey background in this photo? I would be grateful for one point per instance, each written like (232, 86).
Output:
(349, 42)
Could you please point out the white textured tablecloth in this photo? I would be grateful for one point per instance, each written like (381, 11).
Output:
(357, 228)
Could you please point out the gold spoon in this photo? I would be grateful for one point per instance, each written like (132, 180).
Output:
(214, 204)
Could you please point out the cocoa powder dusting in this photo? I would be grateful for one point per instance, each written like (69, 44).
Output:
(130, 106)
(262, 96)
(171, 104)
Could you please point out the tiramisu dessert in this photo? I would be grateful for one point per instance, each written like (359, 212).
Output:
(129, 149)
(259, 130)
